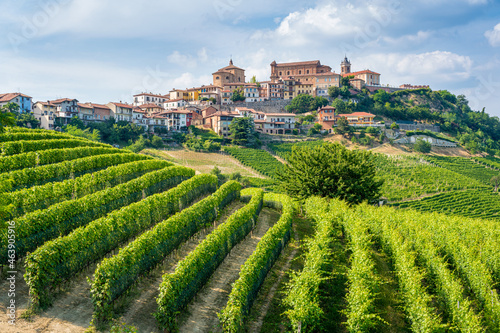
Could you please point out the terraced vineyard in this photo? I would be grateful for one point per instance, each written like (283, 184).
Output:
(464, 166)
(107, 235)
(436, 259)
(257, 159)
(472, 203)
(411, 177)
(283, 149)
(89, 210)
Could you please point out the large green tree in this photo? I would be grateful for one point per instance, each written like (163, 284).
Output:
(238, 95)
(343, 126)
(7, 118)
(333, 92)
(330, 170)
(422, 146)
(300, 104)
(242, 132)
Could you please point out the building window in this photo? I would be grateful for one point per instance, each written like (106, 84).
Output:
(288, 73)
(300, 72)
(307, 71)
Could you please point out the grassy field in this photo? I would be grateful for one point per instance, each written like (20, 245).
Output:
(204, 162)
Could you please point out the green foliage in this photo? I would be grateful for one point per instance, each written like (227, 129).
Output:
(257, 159)
(303, 103)
(242, 132)
(6, 206)
(341, 107)
(35, 228)
(217, 173)
(411, 177)
(49, 156)
(116, 274)
(28, 177)
(333, 92)
(12, 136)
(343, 126)
(177, 289)
(75, 122)
(303, 290)
(60, 259)
(86, 134)
(344, 82)
(285, 149)
(470, 203)
(331, 171)
(139, 145)
(24, 146)
(464, 166)
(41, 197)
(255, 269)
(7, 118)
(422, 146)
(238, 95)
(394, 126)
(112, 131)
(157, 142)
(363, 282)
(26, 119)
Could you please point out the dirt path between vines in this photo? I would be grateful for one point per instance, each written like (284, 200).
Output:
(71, 312)
(270, 286)
(141, 304)
(201, 314)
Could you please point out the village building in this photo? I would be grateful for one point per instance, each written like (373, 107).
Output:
(145, 98)
(174, 104)
(121, 111)
(24, 101)
(86, 112)
(151, 108)
(228, 74)
(219, 122)
(368, 77)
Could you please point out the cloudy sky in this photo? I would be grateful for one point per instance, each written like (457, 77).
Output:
(108, 50)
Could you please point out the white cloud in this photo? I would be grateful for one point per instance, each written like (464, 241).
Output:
(493, 36)
(423, 68)
(329, 20)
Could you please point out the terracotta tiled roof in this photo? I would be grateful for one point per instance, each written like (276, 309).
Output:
(328, 107)
(326, 74)
(85, 105)
(150, 105)
(121, 105)
(148, 94)
(45, 103)
(10, 96)
(174, 100)
(62, 100)
(366, 71)
(100, 106)
(357, 114)
(281, 114)
(299, 63)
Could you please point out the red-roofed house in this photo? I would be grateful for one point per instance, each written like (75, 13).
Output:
(24, 101)
(121, 111)
(358, 118)
(150, 98)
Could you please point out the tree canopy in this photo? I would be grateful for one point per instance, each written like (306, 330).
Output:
(238, 95)
(330, 170)
(243, 132)
(422, 146)
(7, 118)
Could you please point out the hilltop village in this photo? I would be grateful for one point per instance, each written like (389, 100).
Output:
(215, 105)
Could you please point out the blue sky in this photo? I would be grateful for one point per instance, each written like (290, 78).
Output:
(108, 50)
